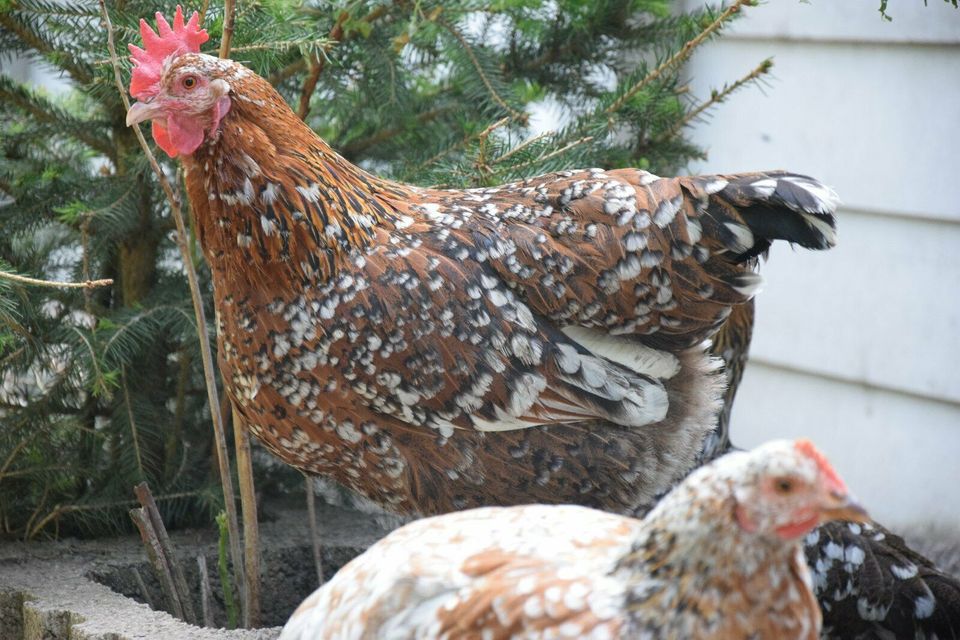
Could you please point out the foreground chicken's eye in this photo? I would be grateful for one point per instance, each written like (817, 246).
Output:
(783, 485)
(190, 82)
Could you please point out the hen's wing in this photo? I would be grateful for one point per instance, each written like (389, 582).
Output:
(870, 584)
(537, 288)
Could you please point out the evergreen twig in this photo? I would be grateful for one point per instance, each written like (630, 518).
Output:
(316, 67)
(717, 97)
(44, 112)
(228, 11)
(679, 56)
(319, 61)
(467, 140)
(497, 98)
(38, 44)
(54, 284)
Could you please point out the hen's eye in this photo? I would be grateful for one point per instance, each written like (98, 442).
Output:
(783, 485)
(189, 82)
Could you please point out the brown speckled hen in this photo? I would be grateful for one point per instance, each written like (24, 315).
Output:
(439, 349)
(718, 558)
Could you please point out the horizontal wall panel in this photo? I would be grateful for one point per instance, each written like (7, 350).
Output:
(883, 307)
(877, 123)
(857, 21)
(898, 453)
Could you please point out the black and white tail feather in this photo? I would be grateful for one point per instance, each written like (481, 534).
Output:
(768, 203)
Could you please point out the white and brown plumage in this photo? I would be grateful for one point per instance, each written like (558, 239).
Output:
(436, 350)
(719, 557)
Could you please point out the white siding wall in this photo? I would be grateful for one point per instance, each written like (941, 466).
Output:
(859, 347)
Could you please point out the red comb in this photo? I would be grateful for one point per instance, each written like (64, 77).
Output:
(806, 447)
(148, 62)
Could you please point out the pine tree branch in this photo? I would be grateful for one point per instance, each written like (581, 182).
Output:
(10, 357)
(36, 512)
(319, 62)
(514, 114)
(679, 56)
(553, 154)
(520, 147)
(13, 454)
(359, 146)
(316, 67)
(223, 455)
(77, 129)
(32, 41)
(288, 71)
(467, 140)
(53, 284)
(716, 98)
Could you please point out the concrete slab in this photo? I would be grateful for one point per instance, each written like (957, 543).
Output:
(65, 590)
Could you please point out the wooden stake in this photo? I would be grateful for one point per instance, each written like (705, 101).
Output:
(155, 553)
(176, 571)
(251, 535)
(206, 593)
(314, 531)
(142, 586)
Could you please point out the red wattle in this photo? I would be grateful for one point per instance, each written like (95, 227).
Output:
(185, 133)
(162, 137)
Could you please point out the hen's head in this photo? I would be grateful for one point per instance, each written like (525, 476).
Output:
(185, 93)
(783, 489)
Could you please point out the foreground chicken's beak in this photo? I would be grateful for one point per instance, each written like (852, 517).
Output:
(140, 111)
(842, 506)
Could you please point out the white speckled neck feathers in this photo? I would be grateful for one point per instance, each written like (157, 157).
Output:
(693, 533)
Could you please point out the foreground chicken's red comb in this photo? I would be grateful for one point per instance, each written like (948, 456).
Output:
(833, 478)
(148, 62)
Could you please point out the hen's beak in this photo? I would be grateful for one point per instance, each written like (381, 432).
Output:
(842, 506)
(140, 111)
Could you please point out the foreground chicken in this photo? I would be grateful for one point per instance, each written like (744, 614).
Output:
(434, 350)
(869, 582)
(719, 557)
